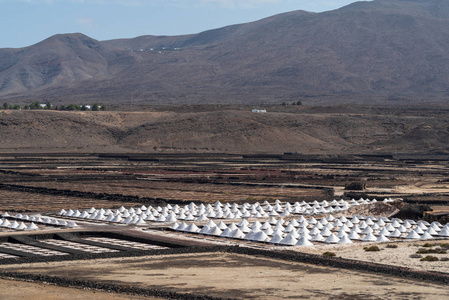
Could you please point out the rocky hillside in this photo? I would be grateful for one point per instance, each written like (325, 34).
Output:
(328, 130)
(382, 50)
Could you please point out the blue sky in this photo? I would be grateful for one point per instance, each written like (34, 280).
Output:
(26, 22)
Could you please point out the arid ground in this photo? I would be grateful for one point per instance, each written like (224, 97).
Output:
(48, 182)
(328, 130)
(238, 276)
(15, 290)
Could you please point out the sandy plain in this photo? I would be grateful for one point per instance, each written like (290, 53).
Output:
(240, 276)
(399, 256)
(22, 290)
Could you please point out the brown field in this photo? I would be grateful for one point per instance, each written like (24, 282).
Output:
(15, 290)
(185, 192)
(210, 178)
(239, 276)
(49, 182)
(32, 202)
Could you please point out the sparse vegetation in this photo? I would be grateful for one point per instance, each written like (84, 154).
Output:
(356, 185)
(430, 245)
(433, 251)
(47, 106)
(416, 256)
(35, 105)
(391, 246)
(430, 258)
(329, 254)
(371, 248)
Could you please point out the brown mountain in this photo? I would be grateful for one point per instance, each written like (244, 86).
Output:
(232, 129)
(59, 61)
(380, 50)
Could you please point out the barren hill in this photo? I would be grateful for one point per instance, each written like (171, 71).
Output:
(382, 50)
(59, 61)
(328, 130)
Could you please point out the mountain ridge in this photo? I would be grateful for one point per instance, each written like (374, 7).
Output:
(382, 51)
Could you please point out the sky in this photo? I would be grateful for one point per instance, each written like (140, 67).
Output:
(26, 22)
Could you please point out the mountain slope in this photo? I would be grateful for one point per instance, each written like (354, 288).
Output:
(367, 51)
(328, 130)
(61, 60)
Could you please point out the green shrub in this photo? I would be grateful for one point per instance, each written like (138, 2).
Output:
(423, 251)
(433, 251)
(329, 254)
(391, 246)
(415, 256)
(356, 185)
(372, 248)
(430, 258)
(428, 245)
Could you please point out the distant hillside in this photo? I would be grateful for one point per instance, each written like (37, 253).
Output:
(326, 130)
(366, 52)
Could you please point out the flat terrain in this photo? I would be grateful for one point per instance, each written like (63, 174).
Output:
(15, 290)
(232, 275)
(399, 256)
(50, 182)
(29, 202)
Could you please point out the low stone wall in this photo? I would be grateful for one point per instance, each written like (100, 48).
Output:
(90, 195)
